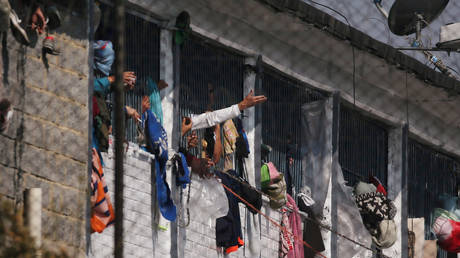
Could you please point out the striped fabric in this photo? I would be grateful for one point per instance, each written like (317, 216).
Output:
(102, 213)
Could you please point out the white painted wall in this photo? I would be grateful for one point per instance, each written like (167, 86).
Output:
(142, 238)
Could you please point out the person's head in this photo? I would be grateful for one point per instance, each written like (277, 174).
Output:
(145, 103)
(104, 55)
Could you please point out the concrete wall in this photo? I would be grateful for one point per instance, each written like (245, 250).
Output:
(147, 234)
(46, 143)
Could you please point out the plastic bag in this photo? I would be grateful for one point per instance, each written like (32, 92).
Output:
(208, 200)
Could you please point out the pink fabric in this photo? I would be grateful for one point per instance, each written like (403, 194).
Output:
(286, 239)
(296, 227)
(273, 172)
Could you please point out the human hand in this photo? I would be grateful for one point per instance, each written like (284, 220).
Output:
(186, 125)
(129, 79)
(162, 84)
(251, 100)
(38, 21)
(132, 113)
(145, 103)
(192, 140)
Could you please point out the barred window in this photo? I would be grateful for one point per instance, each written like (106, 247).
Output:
(363, 147)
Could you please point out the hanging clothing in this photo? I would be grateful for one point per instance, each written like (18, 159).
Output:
(102, 213)
(316, 149)
(377, 212)
(446, 227)
(155, 99)
(230, 135)
(276, 187)
(312, 232)
(228, 228)
(286, 240)
(296, 229)
(349, 221)
(157, 144)
(180, 170)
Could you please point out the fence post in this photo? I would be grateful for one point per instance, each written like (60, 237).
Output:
(33, 214)
(119, 123)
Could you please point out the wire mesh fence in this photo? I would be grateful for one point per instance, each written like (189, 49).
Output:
(266, 72)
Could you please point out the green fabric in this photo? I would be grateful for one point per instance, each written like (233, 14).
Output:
(264, 176)
(441, 212)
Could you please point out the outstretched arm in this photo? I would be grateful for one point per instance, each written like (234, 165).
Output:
(210, 119)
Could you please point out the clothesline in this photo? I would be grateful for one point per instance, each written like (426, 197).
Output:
(271, 220)
(304, 215)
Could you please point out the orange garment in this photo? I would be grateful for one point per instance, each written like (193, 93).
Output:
(102, 213)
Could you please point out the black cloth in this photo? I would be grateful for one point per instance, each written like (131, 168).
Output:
(228, 228)
(311, 233)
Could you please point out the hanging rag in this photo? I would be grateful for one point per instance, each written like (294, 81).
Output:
(157, 144)
(102, 213)
(155, 99)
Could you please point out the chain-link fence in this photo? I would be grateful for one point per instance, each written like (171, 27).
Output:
(249, 128)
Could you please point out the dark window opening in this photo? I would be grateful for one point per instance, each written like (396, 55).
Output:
(142, 56)
(202, 64)
(363, 147)
(281, 116)
(431, 173)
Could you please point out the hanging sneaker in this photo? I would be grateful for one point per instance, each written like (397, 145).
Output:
(49, 45)
(18, 32)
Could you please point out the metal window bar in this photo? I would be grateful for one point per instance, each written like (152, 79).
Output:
(431, 173)
(363, 147)
(281, 116)
(142, 46)
(201, 64)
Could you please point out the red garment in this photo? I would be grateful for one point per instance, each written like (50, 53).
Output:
(296, 227)
(380, 189)
(452, 243)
